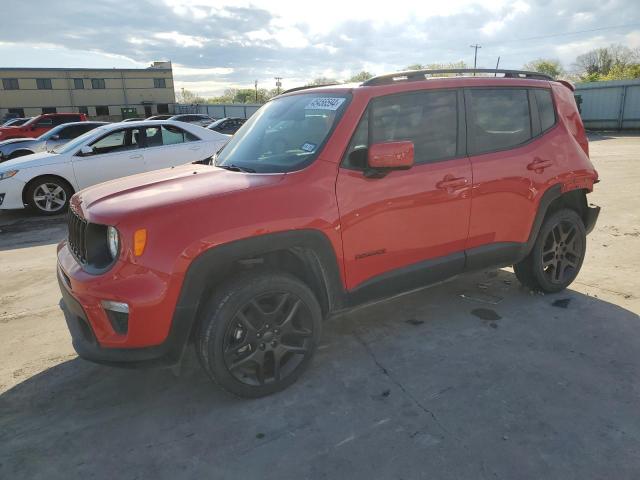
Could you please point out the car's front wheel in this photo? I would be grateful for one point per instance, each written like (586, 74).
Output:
(259, 333)
(48, 195)
(557, 254)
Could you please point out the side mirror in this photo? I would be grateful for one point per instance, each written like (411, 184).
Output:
(387, 156)
(86, 150)
(55, 137)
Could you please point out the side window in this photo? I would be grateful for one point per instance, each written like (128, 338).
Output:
(429, 119)
(545, 108)
(119, 141)
(356, 155)
(70, 132)
(499, 119)
(44, 122)
(167, 135)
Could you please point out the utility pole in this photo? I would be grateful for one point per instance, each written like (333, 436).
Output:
(256, 85)
(475, 57)
(278, 84)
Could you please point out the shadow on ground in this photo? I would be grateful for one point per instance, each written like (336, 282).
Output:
(416, 387)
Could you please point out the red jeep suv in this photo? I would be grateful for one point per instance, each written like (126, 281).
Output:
(39, 125)
(327, 198)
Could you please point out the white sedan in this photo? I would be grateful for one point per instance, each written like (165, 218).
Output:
(46, 181)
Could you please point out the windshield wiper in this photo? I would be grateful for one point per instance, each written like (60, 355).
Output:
(236, 168)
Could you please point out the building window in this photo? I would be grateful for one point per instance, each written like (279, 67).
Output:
(78, 83)
(163, 108)
(97, 83)
(10, 84)
(49, 110)
(84, 110)
(102, 110)
(17, 111)
(159, 83)
(43, 83)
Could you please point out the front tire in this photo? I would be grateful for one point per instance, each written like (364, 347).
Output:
(48, 195)
(557, 254)
(259, 333)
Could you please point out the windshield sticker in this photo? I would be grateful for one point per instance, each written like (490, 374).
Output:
(308, 147)
(325, 103)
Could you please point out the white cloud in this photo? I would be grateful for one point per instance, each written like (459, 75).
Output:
(182, 71)
(181, 39)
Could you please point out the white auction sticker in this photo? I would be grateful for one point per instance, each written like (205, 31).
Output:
(325, 103)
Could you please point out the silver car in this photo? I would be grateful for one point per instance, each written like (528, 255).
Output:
(18, 147)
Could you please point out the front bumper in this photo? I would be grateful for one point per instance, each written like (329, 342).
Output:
(95, 340)
(11, 193)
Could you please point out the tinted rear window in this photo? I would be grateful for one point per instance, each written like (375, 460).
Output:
(545, 108)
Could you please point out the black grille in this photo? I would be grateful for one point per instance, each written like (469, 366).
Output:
(77, 236)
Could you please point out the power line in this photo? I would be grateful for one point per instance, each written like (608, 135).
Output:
(564, 34)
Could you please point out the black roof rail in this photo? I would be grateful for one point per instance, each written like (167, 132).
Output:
(295, 89)
(413, 75)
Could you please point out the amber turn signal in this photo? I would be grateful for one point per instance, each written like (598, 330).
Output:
(139, 241)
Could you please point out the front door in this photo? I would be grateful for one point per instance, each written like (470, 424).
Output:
(116, 154)
(408, 227)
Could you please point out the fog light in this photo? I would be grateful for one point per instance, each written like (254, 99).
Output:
(118, 315)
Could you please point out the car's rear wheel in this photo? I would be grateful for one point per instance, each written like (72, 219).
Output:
(259, 333)
(557, 255)
(49, 195)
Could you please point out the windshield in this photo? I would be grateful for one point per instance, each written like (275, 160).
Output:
(47, 135)
(284, 135)
(78, 141)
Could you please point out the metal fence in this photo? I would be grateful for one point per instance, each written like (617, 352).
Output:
(613, 105)
(220, 110)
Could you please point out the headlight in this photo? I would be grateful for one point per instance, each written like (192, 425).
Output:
(113, 241)
(7, 174)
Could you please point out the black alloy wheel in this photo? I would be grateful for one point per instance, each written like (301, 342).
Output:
(259, 332)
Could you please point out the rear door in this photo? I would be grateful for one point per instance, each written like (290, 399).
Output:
(408, 227)
(511, 135)
(168, 146)
(116, 154)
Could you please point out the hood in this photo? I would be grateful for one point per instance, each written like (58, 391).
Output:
(16, 140)
(33, 160)
(107, 202)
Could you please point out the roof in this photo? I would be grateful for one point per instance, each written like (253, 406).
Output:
(74, 69)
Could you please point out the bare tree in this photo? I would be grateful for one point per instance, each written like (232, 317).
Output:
(600, 61)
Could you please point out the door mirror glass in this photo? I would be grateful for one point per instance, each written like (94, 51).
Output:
(391, 155)
(55, 137)
(86, 150)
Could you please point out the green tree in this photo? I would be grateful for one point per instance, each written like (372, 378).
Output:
(623, 72)
(359, 77)
(551, 67)
(596, 64)
(188, 97)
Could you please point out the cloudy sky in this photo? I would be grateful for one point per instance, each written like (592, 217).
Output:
(215, 44)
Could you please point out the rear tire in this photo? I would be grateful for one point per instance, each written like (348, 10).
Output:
(48, 195)
(557, 254)
(258, 333)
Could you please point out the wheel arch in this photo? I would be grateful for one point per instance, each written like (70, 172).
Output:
(306, 254)
(27, 185)
(555, 199)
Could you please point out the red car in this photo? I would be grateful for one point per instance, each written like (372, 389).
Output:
(327, 198)
(39, 125)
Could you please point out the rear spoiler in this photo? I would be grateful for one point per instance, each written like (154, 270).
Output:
(567, 84)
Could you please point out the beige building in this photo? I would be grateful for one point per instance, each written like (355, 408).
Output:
(101, 93)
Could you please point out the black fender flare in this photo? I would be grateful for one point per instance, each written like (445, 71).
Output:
(548, 197)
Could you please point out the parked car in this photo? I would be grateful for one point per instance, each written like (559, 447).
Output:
(39, 125)
(195, 118)
(46, 181)
(398, 183)
(227, 125)
(159, 117)
(15, 122)
(19, 147)
(135, 119)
